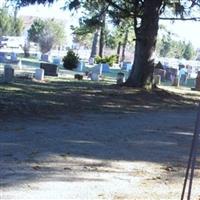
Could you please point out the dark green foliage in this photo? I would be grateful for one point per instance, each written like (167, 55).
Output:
(74, 4)
(36, 29)
(47, 33)
(189, 51)
(168, 47)
(107, 59)
(71, 60)
(9, 25)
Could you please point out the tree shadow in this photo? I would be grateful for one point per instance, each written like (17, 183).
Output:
(25, 97)
(61, 149)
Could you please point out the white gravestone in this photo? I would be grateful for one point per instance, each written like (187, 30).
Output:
(39, 74)
(156, 79)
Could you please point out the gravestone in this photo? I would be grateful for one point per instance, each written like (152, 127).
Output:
(19, 64)
(94, 77)
(120, 78)
(49, 69)
(171, 73)
(197, 87)
(45, 57)
(8, 74)
(13, 56)
(2, 57)
(156, 79)
(39, 74)
(81, 66)
(175, 81)
(101, 68)
(78, 77)
(91, 61)
(56, 61)
(126, 66)
(160, 72)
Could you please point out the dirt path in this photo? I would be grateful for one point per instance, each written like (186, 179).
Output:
(97, 156)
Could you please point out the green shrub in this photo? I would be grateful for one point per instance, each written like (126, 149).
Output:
(107, 59)
(71, 60)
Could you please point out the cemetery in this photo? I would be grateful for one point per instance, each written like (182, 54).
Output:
(59, 124)
(54, 67)
(99, 100)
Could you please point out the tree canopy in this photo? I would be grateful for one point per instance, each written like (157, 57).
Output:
(9, 25)
(47, 33)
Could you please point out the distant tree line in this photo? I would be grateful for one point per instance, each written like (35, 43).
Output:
(9, 24)
(168, 47)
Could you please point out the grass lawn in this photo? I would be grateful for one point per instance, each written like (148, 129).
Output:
(62, 95)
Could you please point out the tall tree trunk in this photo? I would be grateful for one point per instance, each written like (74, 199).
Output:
(124, 45)
(118, 51)
(146, 35)
(102, 36)
(94, 45)
(26, 49)
(16, 9)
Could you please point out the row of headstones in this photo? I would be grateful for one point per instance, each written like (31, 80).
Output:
(45, 69)
(166, 74)
(176, 81)
(95, 74)
(169, 74)
(9, 74)
(157, 80)
(52, 70)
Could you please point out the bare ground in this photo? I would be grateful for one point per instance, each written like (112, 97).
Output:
(140, 155)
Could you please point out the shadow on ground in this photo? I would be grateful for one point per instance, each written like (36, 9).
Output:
(25, 97)
(51, 149)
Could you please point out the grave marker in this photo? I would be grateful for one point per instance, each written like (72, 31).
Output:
(8, 74)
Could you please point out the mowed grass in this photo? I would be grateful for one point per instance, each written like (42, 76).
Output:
(63, 95)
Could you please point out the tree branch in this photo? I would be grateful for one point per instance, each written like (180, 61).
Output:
(115, 5)
(180, 19)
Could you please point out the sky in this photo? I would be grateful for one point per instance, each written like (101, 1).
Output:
(186, 30)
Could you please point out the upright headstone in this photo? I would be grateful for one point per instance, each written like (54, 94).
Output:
(2, 57)
(45, 57)
(161, 72)
(78, 77)
(81, 66)
(13, 56)
(19, 64)
(175, 81)
(197, 87)
(94, 77)
(56, 61)
(171, 73)
(91, 61)
(126, 66)
(156, 79)
(49, 69)
(39, 74)
(8, 74)
(100, 69)
(120, 78)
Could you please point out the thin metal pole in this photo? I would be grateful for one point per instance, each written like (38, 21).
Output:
(196, 136)
(192, 158)
(188, 169)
